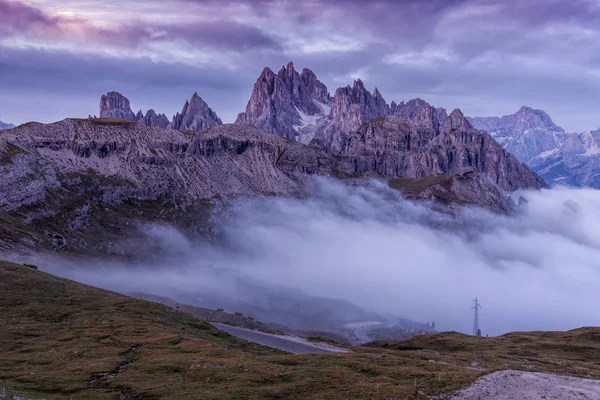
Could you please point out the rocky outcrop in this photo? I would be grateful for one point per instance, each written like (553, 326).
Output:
(397, 147)
(195, 116)
(351, 107)
(449, 192)
(4, 125)
(115, 105)
(420, 113)
(153, 119)
(288, 104)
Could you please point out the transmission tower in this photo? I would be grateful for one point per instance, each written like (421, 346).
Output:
(476, 307)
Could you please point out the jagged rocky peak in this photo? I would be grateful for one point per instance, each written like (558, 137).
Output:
(115, 105)
(456, 121)
(536, 118)
(196, 115)
(358, 102)
(287, 104)
(315, 87)
(420, 112)
(153, 119)
(351, 107)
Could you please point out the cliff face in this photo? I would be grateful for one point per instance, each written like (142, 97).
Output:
(115, 105)
(85, 183)
(351, 107)
(196, 116)
(394, 147)
(72, 177)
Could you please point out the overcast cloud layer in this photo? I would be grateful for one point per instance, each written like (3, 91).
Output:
(536, 271)
(487, 57)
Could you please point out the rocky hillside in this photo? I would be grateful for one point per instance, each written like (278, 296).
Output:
(288, 104)
(558, 156)
(196, 115)
(78, 184)
(59, 180)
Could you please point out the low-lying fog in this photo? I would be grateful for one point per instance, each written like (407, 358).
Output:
(539, 270)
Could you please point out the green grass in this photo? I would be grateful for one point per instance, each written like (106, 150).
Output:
(60, 338)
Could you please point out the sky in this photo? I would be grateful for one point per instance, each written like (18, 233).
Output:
(486, 57)
(367, 245)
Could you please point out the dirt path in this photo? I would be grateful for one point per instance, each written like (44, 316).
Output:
(291, 344)
(518, 385)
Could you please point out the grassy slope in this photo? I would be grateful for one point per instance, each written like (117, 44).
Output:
(94, 344)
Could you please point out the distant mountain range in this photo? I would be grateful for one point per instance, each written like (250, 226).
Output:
(559, 157)
(4, 125)
(297, 106)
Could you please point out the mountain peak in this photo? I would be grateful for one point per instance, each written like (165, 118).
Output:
(290, 68)
(419, 112)
(358, 84)
(456, 114)
(115, 105)
(456, 121)
(525, 109)
(196, 115)
(279, 102)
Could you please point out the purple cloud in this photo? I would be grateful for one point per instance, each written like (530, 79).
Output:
(19, 18)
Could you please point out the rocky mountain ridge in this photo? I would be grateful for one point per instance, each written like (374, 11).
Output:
(288, 104)
(397, 147)
(84, 183)
(196, 115)
(560, 157)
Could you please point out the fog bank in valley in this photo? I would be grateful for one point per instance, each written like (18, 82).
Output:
(538, 270)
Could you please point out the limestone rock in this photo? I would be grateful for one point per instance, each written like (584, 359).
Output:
(420, 113)
(153, 119)
(352, 106)
(288, 104)
(115, 105)
(196, 116)
(396, 147)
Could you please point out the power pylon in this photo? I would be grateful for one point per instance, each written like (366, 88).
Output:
(476, 307)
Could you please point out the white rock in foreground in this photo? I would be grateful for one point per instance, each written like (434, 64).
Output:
(519, 385)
